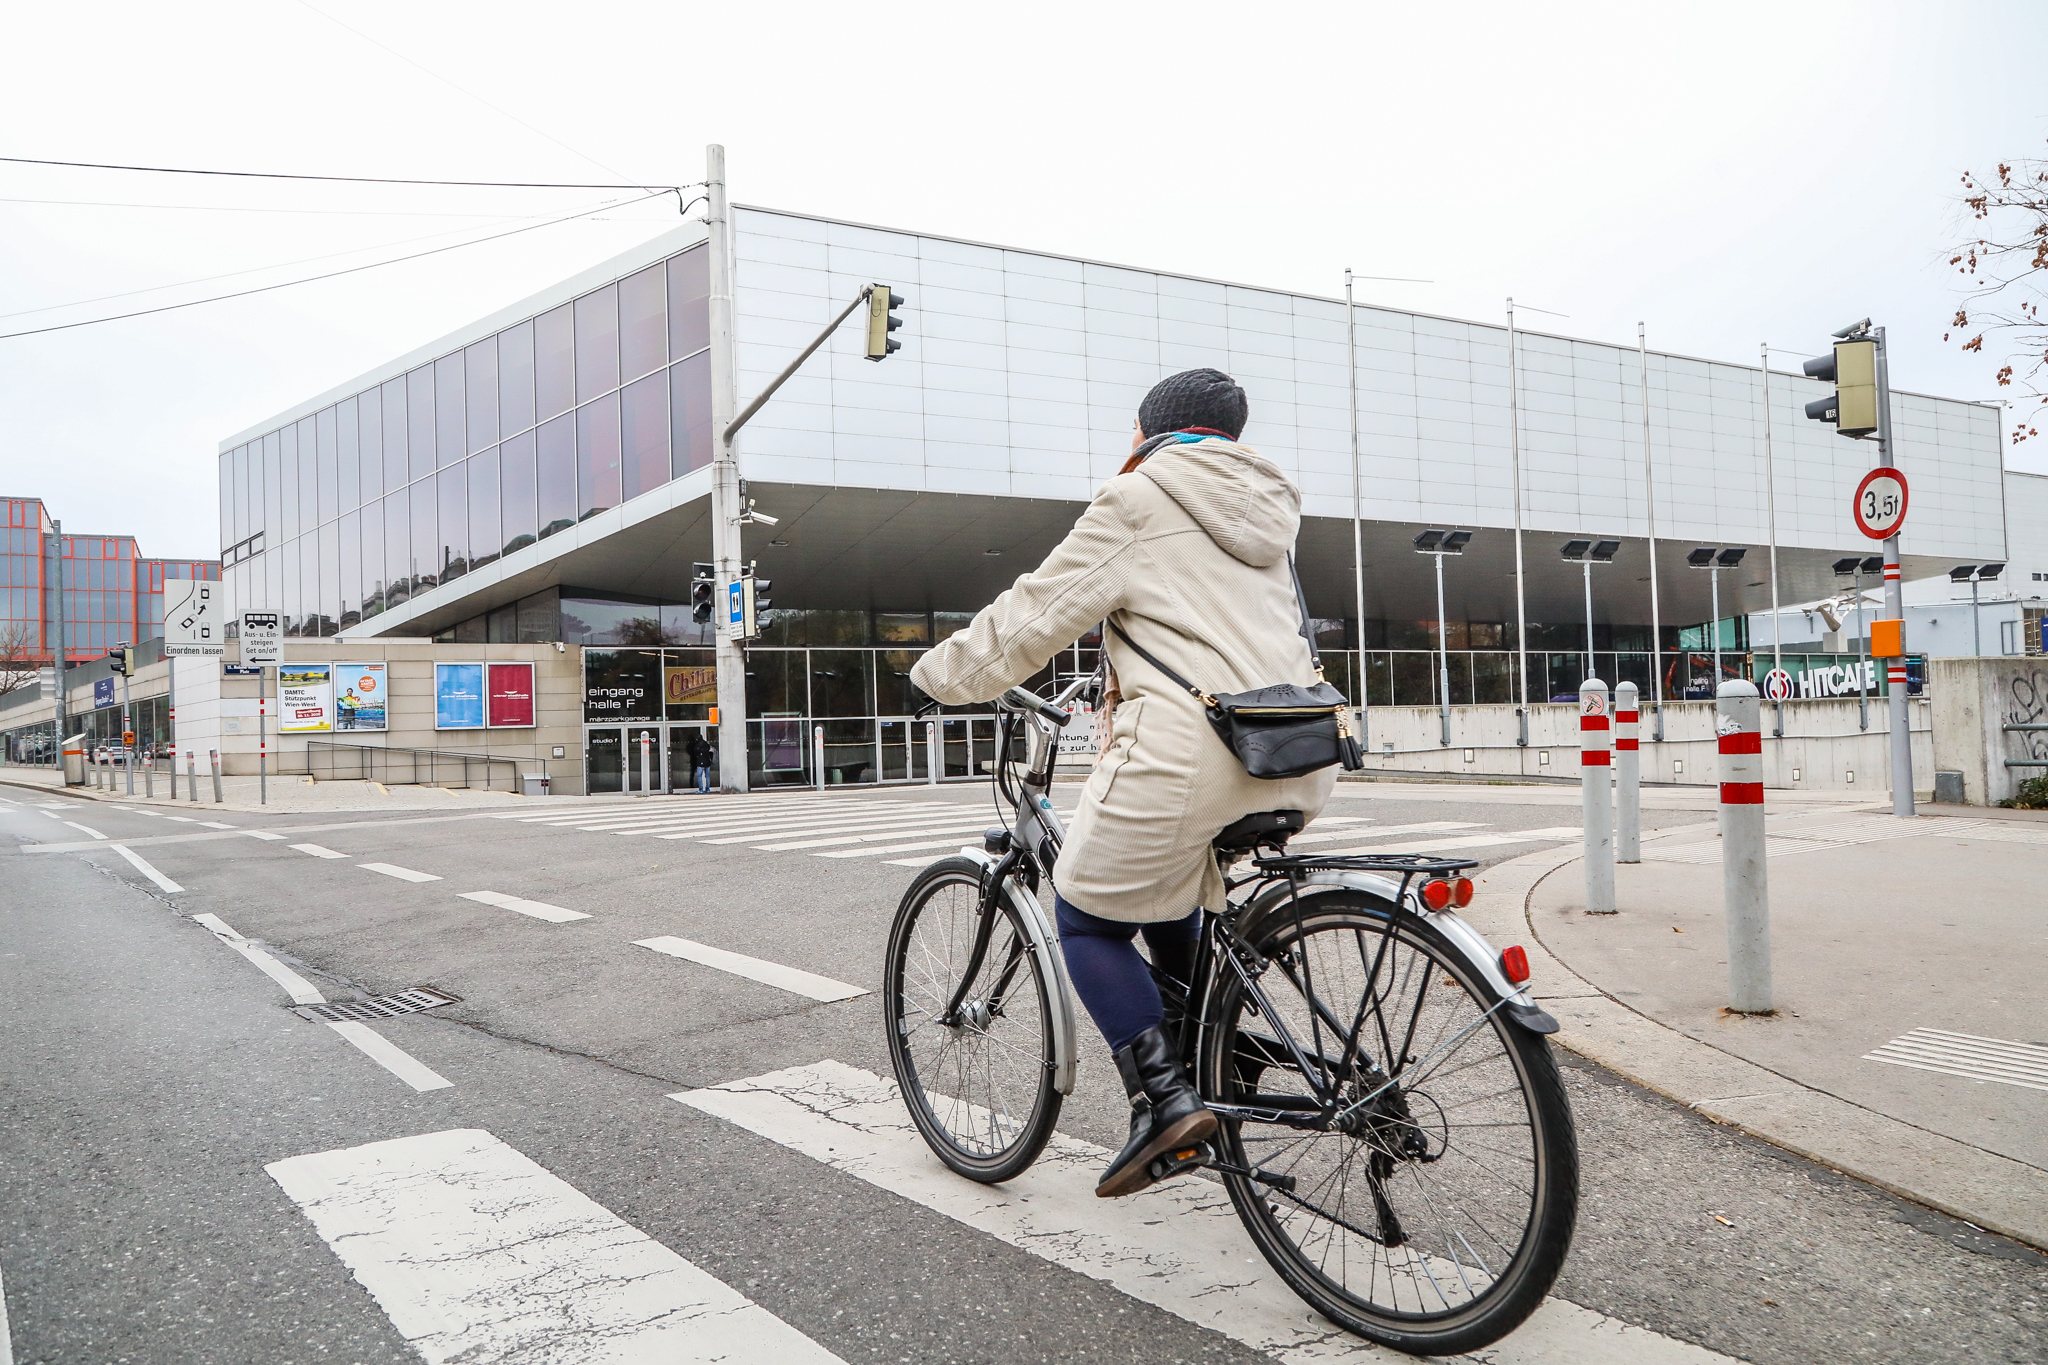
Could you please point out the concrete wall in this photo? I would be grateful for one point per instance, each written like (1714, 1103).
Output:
(1978, 699)
(1821, 749)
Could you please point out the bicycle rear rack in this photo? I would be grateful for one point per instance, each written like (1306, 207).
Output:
(1403, 864)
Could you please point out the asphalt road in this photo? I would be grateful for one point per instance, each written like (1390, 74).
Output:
(162, 1112)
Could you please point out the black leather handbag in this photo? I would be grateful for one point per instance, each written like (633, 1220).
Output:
(1282, 730)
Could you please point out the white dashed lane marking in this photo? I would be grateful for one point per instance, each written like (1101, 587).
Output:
(554, 914)
(404, 874)
(477, 1254)
(792, 979)
(318, 851)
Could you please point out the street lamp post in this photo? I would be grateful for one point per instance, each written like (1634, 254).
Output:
(1973, 574)
(1714, 558)
(1587, 553)
(1853, 569)
(1436, 543)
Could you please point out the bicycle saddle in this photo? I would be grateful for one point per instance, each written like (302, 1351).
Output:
(1266, 828)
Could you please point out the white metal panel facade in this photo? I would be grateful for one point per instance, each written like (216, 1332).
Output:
(1021, 372)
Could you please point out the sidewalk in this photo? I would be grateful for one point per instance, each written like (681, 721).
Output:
(1879, 927)
(290, 794)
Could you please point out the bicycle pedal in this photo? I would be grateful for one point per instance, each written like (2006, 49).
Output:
(1188, 1158)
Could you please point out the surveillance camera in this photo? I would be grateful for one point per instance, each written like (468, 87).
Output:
(761, 518)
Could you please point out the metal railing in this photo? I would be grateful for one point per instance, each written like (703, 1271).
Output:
(2026, 730)
(333, 761)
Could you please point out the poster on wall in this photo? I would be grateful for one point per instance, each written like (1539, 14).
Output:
(359, 702)
(305, 698)
(510, 696)
(458, 696)
(690, 685)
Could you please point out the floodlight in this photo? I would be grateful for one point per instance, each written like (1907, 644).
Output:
(1989, 571)
(1847, 566)
(1456, 541)
(1428, 541)
(1872, 563)
(1729, 558)
(1702, 558)
(1962, 573)
(1576, 549)
(1605, 550)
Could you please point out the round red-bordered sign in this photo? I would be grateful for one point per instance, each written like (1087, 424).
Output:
(1879, 505)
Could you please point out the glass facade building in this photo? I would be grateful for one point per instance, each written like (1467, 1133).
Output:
(112, 594)
(410, 483)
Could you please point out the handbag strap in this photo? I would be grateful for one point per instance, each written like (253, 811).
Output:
(1308, 634)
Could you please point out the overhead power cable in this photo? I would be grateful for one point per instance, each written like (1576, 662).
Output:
(331, 274)
(249, 208)
(339, 179)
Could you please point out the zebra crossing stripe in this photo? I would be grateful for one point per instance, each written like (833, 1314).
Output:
(728, 821)
(792, 979)
(452, 1233)
(882, 836)
(1177, 1246)
(1318, 834)
(908, 822)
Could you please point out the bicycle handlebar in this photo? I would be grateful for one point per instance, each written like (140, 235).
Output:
(1019, 699)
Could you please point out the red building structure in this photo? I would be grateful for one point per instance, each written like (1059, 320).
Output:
(112, 593)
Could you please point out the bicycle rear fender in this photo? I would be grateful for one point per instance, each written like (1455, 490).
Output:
(1470, 944)
(1043, 944)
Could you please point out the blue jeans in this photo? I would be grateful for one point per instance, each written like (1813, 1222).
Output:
(703, 779)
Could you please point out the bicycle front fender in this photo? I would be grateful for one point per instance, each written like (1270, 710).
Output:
(1044, 944)
(1517, 1004)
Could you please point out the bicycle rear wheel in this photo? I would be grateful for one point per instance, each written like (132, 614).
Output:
(1435, 1214)
(979, 1086)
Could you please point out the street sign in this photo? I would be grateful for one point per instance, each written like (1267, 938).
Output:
(102, 692)
(241, 670)
(1879, 506)
(1777, 684)
(194, 624)
(262, 638)
(735, 604)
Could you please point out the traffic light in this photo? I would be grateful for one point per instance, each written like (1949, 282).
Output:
(1852, 368)
(754, 600)
(703, 589)
(122, 657)
(882, 320)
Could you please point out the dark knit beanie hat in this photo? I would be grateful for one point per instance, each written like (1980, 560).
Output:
(1207, 399)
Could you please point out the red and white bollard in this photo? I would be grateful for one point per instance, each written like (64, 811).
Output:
(1596, 789)
(1628, 778)
(191, 777)
(1745, 892)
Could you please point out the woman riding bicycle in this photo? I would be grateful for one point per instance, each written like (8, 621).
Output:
(1186, 552)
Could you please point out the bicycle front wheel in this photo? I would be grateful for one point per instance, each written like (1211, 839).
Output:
(1425, 1197)
(978, 1084)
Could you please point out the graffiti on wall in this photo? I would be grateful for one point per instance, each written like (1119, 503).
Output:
(2027, 704)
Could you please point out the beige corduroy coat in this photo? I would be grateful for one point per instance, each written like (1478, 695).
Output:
(1188, 554)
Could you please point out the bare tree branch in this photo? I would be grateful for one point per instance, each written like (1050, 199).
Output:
(2006, 269)
(18, 663)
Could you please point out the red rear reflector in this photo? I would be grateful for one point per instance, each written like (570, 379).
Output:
(1461, 891)
(1436, 893)
(1514, 964)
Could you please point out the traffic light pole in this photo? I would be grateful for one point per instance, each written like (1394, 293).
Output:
(725, 482)
(1894, 603)
(57, 621)
(127, 730)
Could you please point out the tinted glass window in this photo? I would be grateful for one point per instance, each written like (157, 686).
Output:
(554, 362)
(515, 379)
(597, 343)
(689, 302)
(839, 683)
(397, 549)
(425, 566)
(328, 606)
(557, 460)
(309, 478)
(288, 590)
(454, 559)
(370, 436)
(485, 536)
(397, 468)
(643, 323)
(689, 386)
(327, 465)
(273, 492)
(597, 455)
(450, 409)
(350, 585)
(480, 377)
(288, 482)
(643, 435)
(346, 455)
(373, 558)
(516, 484)
(419, 420)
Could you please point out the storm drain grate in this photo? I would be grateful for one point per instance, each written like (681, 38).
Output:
(381, 1006)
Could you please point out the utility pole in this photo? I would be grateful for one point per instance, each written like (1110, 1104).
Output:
(57, 621)
(1894, 602)
(726, 548)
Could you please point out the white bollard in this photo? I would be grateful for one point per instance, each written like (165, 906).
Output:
(931, 752)
(1628, 778)
(213, 757)
(818, 754)
(191, 777)
(1745, 892)
(646, 768)
(1596, 790)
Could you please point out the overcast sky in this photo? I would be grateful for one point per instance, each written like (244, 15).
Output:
(1729, 173)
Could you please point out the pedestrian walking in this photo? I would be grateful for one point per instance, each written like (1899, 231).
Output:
(701, 755)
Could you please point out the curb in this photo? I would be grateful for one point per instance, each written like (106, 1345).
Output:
(1982, 1188)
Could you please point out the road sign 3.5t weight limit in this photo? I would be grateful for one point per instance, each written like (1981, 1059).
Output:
(1879, 505)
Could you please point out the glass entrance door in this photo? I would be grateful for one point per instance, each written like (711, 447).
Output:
(646, 758)
(604, 760)
(682, 777)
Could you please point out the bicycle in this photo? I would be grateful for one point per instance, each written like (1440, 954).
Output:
(1356, 1038)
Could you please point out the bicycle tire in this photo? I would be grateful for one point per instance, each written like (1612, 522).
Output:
(1229, 1052)
(995, 1161)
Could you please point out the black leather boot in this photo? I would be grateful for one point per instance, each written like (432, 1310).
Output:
(1166, 1112)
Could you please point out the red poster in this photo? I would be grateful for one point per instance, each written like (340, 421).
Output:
(510, 693)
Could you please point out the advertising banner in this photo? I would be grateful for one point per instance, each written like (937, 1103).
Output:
(510, 696)
(359, 701)
(621, 684)
(102, 692)
(305, 698)
(458, 696)
(690, 684)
